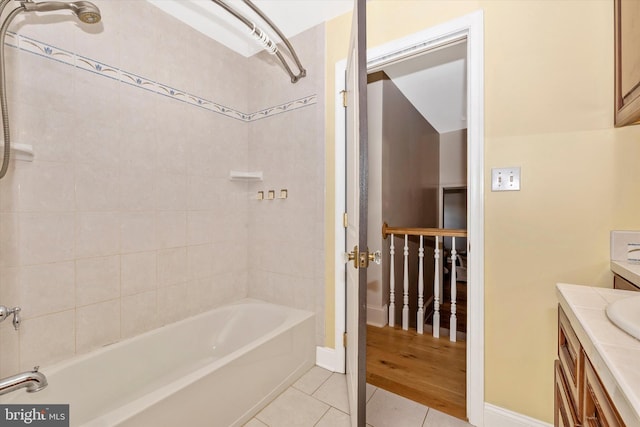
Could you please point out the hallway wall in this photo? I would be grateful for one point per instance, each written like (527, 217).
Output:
(403, 192)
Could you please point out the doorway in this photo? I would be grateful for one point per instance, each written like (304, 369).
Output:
(417, 179)
(469, 27)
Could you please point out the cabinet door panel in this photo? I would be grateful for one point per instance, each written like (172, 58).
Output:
(627, 61)
(566, 414)
(598, 408)
(571, 359)
(630, 34)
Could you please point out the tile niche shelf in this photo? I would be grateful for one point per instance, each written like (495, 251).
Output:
(19, 151)
(245, 176)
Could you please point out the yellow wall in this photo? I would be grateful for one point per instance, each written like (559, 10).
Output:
(548, 109)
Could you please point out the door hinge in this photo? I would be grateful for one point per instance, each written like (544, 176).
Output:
(344, 98)
(345, 220)
(344, 340)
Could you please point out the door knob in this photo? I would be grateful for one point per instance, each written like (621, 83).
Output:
(353, 256)
(376, 257)
(362, 259)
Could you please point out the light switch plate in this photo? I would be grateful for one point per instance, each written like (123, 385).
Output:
(505, 179)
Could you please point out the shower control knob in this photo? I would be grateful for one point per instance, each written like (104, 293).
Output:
(5, 312)
(17, 320)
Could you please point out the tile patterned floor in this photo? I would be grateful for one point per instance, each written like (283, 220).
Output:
(319, 399)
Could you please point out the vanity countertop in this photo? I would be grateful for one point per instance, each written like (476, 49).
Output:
(628, 270)
(613, 353)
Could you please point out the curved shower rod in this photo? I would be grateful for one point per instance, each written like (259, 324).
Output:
(268, 44)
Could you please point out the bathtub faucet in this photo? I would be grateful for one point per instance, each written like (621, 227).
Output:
(5, 312)
(31, 380)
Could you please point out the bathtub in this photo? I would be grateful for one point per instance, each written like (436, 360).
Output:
(218, 368)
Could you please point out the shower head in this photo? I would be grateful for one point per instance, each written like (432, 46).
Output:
(86, 11)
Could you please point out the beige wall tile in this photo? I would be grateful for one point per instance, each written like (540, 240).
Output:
(10, 354)
(139, 272)
(46, 237)
(139, 313)
(97, 325)
(97, 279)
(172, 228)
(47, 288)
(97, 188)
(137, 232)
(97, 234)
(47, 339)
(173, 303)
(172, 266)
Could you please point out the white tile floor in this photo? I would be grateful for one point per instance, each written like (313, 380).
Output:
(319, 399)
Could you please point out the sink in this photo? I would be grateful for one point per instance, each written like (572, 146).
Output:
(625, 314)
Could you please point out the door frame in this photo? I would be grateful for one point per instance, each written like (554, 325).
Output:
(471, 27)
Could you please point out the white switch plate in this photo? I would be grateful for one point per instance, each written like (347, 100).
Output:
(505, 179)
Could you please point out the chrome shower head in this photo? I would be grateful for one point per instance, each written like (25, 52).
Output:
(86, 11)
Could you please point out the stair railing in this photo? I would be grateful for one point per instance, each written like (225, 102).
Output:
(439, 234)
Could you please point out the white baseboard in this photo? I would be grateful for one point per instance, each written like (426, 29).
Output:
(495, 416)
(327, 358)
(378, 316)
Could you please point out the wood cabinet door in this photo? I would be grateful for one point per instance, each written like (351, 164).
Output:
(627, 61)
(565, 413)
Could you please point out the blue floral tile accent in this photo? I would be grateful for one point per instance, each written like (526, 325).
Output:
(192, 99)
(173, 93)
(42, 49)
(289, 106)
(138, 81)
(97, 67)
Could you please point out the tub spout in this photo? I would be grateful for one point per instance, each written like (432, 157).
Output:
(31, 380)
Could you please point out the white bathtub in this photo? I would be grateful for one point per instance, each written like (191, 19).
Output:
(215, 369)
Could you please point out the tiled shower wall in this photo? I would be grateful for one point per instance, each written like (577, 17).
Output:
(126, 219)
(286, 249)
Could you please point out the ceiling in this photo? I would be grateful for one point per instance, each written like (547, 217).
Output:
(434, 82)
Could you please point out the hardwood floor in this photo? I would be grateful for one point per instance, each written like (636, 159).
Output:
(419, 367)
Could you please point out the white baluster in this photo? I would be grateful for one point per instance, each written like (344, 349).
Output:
(405, 288)
(453, 323)
(420, 316)
(392, 285)
(436, 291)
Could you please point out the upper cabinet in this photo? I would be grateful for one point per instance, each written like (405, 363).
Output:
(627, 57)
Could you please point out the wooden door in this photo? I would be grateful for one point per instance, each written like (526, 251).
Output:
(356, 204)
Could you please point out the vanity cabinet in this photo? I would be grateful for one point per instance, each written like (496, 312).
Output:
(580, 398)
(620, 282)
(627, 61)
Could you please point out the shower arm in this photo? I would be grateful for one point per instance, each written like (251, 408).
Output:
(268, 44)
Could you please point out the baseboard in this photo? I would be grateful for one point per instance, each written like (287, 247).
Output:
(378, 316)
(495, 416)
(327, 358)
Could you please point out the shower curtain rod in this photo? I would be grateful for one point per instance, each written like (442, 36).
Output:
(269, 45)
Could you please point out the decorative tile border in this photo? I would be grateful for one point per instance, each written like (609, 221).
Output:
(36, 47)
(288, 106)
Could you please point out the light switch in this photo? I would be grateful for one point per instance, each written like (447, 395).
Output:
(505, 179)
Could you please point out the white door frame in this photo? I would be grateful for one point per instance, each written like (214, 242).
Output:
(471, 27)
